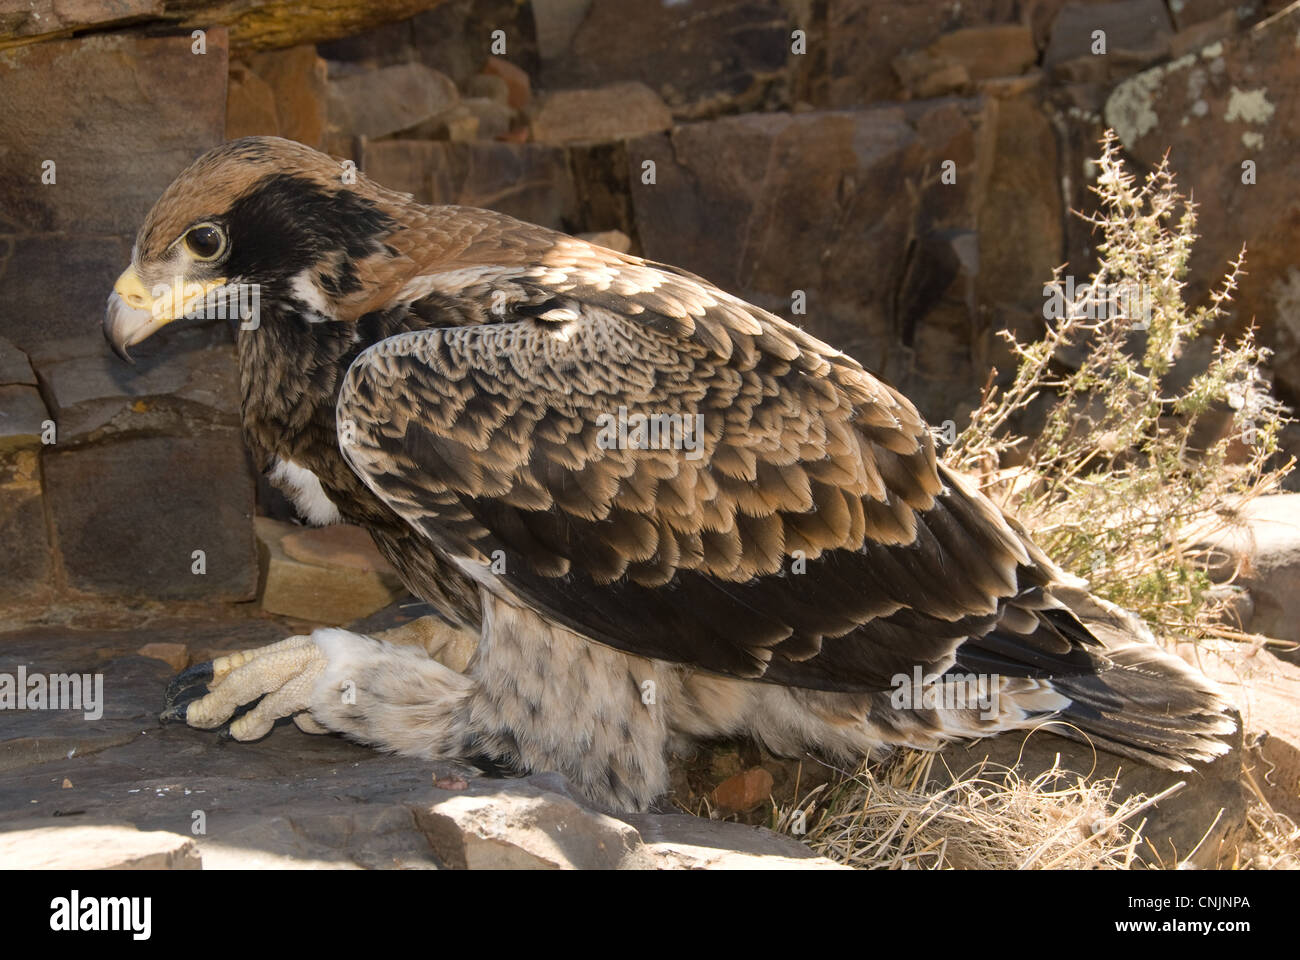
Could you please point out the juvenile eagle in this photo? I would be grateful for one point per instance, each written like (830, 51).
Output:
(783, 558)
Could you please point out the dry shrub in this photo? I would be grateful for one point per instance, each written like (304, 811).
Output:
(1127, 459)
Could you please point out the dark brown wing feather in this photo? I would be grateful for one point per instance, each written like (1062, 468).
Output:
(811, 540)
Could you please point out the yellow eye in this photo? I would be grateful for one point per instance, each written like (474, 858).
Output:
(207, 241)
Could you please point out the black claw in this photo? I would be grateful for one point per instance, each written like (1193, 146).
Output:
(186, 687)
(183, 685)
(175, 713)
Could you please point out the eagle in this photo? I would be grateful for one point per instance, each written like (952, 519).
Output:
(670, 516)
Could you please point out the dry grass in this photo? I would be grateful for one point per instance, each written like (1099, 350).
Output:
(987, 818)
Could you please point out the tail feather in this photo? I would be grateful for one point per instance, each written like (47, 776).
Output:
(1132, 697)
(1148, 705)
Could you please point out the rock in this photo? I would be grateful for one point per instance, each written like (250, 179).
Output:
(1188, 13)
(250, 105)
(680, 842)
(253, 24)
(1192, 38)
(772, 206)
(1136, 31)
(525, 828)
(702, 57)
(862, 39)
(157, 105)
(971, 53)
(281, 93)
(1021, 229)
(744, 791)
(62, 244)
(519, 92)
(339, 545)
(489, 86)
(374, 103)
(22, 416)
(455, 37)
(529, 181)
(15, 368)
(56, 284)
(493, 117)
(46, 19)
(183, 372)
(1266, 690)
(27, 564)
(1262, 554)
(175, 655)
(100, 847)
(613, 239)
(617, 112)
(130, 515)
(557, 21)
(323, 577)
(1244, 95)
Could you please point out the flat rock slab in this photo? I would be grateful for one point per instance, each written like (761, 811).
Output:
(121, 790)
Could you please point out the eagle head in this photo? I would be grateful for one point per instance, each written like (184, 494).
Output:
(256, 221)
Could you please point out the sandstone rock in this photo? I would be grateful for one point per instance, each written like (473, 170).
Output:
(183, 372)
(701, 56)
(63, 243)
(26, 563)
(744, 791)
(529, 181)
(158, 104)
(617, 112)
(614, 239)
(494, 118)
(253, 24)
(323, 577)
(1021, 229)
(489, 86)
(22, 416)
(374, 103)
(56, 284)
(1266, 690)
(46, 19)
(862, 38)
(679, 842)
(339, 545)
(524, 828)
(282, 93)
(250, 105)
(129, 516)
(557, 21)
(971, 53)
(519, 92)
(1243, 95)
(1262, 554)
(175, 655)
(15, 368)
(1187, 13)
(845, 207)
(1135, 31)
(100, 847)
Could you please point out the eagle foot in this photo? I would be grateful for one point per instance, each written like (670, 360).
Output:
(278, 678)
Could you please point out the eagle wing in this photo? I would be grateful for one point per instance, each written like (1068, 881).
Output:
(787, 522)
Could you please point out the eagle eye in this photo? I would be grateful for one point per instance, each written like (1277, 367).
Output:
(206, 241)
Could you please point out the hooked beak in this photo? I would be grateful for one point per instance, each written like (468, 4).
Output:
(134, 314)
(130, 315)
